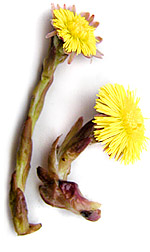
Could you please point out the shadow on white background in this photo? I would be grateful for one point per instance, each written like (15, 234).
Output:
(122, 190)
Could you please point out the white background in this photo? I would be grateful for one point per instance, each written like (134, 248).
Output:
(123, 191)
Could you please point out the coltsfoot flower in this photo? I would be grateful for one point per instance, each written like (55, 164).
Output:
(76, 31)
(72, 34)
(120, 125)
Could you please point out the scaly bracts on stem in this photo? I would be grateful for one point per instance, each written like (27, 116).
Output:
(56, 190)
(57, 53)
(18, 206)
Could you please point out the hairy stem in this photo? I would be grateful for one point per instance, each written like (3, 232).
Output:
(24, 153)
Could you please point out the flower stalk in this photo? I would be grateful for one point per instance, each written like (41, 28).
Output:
(56, 190)
(61, 47)
(18, 206)
(118, 118)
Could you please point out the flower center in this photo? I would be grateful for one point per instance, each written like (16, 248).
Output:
(130, 122)
(78, 28)
(132, 118)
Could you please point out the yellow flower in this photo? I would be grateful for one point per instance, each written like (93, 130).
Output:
(120, 124)
(76, 31)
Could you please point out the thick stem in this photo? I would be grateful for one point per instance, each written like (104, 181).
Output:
(56, 190)
(17, 199)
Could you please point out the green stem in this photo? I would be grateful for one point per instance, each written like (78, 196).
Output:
(17, 199)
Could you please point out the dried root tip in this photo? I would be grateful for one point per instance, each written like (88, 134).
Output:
(91, 215)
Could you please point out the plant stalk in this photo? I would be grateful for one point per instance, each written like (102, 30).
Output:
(17, 199)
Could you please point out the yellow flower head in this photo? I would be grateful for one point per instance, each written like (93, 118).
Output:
(120, 124)
(76, 31)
